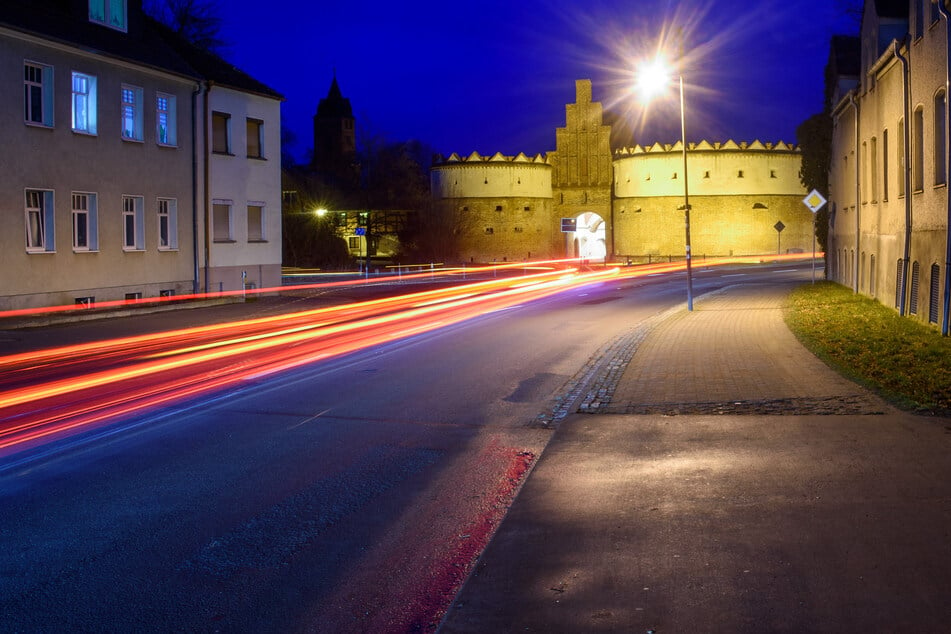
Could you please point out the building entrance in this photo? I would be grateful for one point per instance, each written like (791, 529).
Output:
(589, 238)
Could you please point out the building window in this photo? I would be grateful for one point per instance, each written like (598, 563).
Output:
(498, 207)
(940, 155)
(873, 168)
(133, 223)
(935, 294)
(166, 128)
(85, 222)
(39, 221)
(132, 129)
(864, 181)
(919, 18)
(111, 13)
(489, 230)
(256, 222)
(772, 173)
(918, 150)
(739, 174)
(902, 172)
(221, 220)
(913, 300)
(885, 165)
(167, 224)
(221, 133)
(38, 94)
(255, 138)
(354, 242)
(84, 103)
(872, 273)
(899, 281)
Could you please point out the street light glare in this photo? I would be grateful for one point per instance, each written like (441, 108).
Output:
(320, 212)
(652, 78)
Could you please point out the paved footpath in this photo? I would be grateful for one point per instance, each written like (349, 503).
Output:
(724, 480)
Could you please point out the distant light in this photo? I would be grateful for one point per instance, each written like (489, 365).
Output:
(320, 212)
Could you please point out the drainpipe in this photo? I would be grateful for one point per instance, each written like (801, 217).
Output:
(195, 270)
(207, 180)
(906, 175)
(943, 10)
(858, 204)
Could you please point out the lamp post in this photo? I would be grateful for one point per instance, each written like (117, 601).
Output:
(651, 80)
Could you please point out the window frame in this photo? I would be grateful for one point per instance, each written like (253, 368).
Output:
(137, 133)
(108, 13)
(45, 214)
(91, 213)
(170, 115)
(939, 153)
(167, 211)
(223, 135)
(133, 209)
(216, 235)
(90, 125)
(255, 129)
(45, 97)
(261, 225)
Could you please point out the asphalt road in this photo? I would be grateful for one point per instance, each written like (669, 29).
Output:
(348, 496)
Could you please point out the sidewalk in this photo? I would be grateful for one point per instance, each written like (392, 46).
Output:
(731, 482)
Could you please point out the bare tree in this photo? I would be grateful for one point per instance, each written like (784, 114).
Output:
(198, 21)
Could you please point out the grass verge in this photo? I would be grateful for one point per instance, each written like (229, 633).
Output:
(904, 361)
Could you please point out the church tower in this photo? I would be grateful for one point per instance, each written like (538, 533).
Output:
(335, 143)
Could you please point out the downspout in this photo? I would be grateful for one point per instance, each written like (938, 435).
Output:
(906, 176)
(207, 180)
(943, 10)
(858, 204)
(195, 269)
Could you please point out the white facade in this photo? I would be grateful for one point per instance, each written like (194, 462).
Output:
(241, 232)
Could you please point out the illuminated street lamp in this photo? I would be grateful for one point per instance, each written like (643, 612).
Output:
(651, 80)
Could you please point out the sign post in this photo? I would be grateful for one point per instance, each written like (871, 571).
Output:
(814, 201)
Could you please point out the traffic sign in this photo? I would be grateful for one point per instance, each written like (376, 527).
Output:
(361, 231)
(814, 201)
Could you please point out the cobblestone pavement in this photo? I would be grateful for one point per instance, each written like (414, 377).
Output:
(732, 355)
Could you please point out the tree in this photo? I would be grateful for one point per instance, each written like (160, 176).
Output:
(815, 143)
(197, 21)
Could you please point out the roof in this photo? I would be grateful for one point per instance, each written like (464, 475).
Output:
(146, 41)
(334, 105)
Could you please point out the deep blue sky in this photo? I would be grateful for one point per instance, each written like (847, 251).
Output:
(495, 75)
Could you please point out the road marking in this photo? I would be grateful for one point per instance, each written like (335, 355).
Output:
(307, 420)
(735, 275)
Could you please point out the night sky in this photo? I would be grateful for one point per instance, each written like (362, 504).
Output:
(495, 75)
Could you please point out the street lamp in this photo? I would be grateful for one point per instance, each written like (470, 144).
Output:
(652, 79)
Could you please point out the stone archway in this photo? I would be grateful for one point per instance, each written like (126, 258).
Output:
(589, 240)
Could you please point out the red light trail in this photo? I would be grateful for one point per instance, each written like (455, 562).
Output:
(49, 393)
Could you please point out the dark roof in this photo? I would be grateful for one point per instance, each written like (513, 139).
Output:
(334, 105)
(846, 55)
(145, 42)
(892, 8)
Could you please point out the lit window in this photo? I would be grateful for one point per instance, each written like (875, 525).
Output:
(84, 103)
(111, 13)
(221, 133)
(221, 222)
(165, 121)
(132, 113)
(918, 150)
(38, 94)
(255, 138)
(256, 222)
(39, 220)
(167, 224)
(133, 225)
(85, 222)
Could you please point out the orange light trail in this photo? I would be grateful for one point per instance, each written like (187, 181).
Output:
(48, 393)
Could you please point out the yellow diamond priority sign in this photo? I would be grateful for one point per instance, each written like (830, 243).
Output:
(814, 201)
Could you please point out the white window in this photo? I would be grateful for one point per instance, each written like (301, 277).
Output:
(221, 220)
(85, 222)
(256, 231)
(132, 113)
(38, 94)
(39, 221)
(166, 127)
(221, 132)
(167, 224)
(84, 103)
(111, 13)
(255, 138)
(133, 223)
